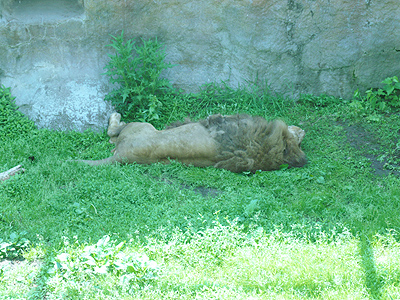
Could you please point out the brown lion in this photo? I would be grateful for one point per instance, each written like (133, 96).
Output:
(236, 143)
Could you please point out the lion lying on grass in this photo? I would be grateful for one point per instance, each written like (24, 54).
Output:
(236, 143)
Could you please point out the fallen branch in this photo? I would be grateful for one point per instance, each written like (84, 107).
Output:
(7, 174)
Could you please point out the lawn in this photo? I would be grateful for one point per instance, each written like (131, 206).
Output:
(328, 230)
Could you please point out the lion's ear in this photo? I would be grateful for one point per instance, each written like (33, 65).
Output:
(285, 149)
(297, 133)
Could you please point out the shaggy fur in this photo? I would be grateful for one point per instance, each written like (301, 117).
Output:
(237, 143)
(248, 143)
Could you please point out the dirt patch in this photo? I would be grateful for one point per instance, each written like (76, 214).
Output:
(200, 190)
(204, 191)
(368, 144)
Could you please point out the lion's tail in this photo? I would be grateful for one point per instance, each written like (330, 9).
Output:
(106, 161)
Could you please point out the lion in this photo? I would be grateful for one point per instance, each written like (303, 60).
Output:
(237, 143)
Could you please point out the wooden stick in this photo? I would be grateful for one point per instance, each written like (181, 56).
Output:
(7, 174)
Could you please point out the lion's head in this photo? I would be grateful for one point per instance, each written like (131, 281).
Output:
(250, 143)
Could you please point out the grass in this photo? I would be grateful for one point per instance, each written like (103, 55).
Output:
(325, 231)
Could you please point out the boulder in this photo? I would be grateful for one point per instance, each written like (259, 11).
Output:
(53, 51)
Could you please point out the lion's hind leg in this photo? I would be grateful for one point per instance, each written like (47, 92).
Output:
(115, 126)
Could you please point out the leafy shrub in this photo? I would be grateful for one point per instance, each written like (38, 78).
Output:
(14, 247)
(136, 72)
(378, 100)
(105, 258)
(388, 96)
(12, 122)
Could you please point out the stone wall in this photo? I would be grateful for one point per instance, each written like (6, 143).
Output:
(53, 52)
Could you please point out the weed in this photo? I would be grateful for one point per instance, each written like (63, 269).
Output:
(14, 247)
(376, 101)
(386, 97)
(105, 257)
(12, 122)
(136, 71)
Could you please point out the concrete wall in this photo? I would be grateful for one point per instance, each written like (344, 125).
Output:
(52, 51)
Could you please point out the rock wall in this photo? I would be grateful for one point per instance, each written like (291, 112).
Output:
(53, 52)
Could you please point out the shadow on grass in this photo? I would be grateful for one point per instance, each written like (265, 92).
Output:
(373, 281)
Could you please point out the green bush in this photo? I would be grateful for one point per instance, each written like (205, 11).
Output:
(13, 123)
(105, 258)
(135, 70)
(14, 247)
(387, 97)
(380, 100)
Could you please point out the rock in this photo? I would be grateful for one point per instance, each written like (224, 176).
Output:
(54, 58)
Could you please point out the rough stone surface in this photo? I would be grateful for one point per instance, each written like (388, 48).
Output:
(52, 51)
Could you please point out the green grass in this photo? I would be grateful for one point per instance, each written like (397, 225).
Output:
(325, 231)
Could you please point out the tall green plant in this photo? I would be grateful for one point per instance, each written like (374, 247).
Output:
(136, 70)
(378, 100)
(387, 97)
(13, 123)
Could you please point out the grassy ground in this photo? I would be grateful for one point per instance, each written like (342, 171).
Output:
(325, 231)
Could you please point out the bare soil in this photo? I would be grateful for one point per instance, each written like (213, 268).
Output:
(368, 144)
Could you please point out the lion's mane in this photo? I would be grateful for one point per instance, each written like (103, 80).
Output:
(251, 143)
